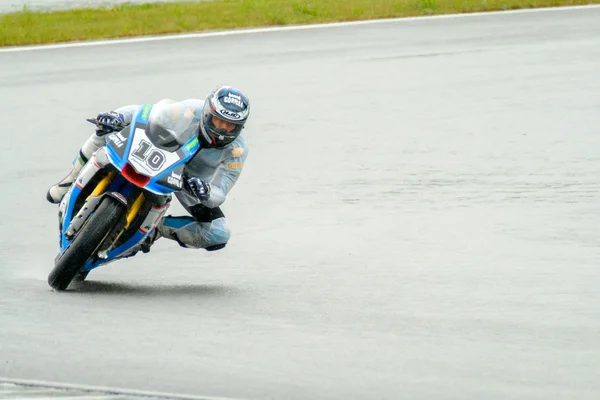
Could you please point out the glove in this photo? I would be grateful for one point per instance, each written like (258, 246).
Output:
(109, 122)
(199, 188)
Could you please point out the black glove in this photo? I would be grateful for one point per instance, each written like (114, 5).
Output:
(199, 188)
(109, 122)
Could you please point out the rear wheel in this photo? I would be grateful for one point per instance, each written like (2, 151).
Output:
(86, 242)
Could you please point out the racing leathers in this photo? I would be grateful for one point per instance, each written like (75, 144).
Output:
(217, 168)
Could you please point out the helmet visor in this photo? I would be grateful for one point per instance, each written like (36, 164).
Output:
(225, 133)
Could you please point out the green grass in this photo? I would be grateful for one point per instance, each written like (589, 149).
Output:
(27, 27)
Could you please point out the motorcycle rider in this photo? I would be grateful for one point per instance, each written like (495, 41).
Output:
(213, 171)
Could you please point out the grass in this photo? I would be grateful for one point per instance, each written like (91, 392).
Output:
(29, 27)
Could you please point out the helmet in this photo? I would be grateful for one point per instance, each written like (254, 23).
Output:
(227, 104)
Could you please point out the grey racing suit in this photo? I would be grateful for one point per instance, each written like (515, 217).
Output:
(207, 226)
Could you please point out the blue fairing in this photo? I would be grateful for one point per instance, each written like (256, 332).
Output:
(154, 186)
(64, 242)
(121, 185)
(189, 149)
(139, 118)
(114, 157)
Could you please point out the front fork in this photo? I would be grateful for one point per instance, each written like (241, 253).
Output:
(150, 222)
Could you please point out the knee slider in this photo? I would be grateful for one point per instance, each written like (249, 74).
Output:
(216, 247)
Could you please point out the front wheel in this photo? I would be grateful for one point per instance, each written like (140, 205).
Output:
(86, 242)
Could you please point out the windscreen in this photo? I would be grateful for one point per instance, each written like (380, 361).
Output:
(171, 125)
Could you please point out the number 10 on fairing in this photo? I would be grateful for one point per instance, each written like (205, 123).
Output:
(154, 159)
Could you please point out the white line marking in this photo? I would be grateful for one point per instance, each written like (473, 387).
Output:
(109, 390)
(200, 35)
(104, 397)
(26, 391)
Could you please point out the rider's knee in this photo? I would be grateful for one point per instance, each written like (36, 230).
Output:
(219, 235)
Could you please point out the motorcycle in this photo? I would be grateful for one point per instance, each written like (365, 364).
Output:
(124, 190)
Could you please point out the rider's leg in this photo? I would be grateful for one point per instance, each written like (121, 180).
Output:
(205, 229)
(56, 192)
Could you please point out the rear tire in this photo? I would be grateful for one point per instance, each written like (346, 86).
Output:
(86, 242)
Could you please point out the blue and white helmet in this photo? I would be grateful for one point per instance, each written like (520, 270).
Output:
(228, 104)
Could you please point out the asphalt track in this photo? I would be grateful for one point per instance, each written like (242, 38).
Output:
(418, 217)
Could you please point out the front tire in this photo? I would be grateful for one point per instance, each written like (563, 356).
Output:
(80, 276)
(86, 242)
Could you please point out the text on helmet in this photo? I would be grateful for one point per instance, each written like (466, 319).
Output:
(233, 99)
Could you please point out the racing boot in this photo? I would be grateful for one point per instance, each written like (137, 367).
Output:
(58, 191)
(152, 237)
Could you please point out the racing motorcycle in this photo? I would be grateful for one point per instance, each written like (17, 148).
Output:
(124, 190)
